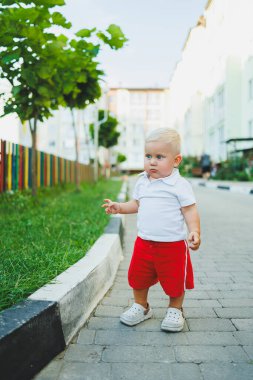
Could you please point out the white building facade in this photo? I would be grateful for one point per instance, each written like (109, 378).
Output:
(211, 90)
(139, 110)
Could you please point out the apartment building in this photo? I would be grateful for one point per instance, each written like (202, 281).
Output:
(211, 90)
(139, 110)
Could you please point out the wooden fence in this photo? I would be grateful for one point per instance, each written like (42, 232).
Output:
(16, 168)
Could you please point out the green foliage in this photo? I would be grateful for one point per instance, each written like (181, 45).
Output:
(48, 71)
(114, 38)
(30, 57)
(108, 134)
(188, 163)
(41, 238)
(121, 158)
(234, 169)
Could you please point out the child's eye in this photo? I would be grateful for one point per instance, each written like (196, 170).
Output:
(159, 156)
(148, 156)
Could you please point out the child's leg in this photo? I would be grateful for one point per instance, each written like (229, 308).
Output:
(140, 297)
(177, 302)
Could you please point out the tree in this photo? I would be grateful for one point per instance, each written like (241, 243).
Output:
(29, 59)
(82, 75)
(108, 134)
(41, 67)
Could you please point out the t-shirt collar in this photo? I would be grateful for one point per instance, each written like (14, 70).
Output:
(170, 179)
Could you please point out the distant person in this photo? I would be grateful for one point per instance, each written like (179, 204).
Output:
(206, 166)
(164, 201)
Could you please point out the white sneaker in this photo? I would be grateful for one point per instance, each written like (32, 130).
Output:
(173, 321)
(136, 314)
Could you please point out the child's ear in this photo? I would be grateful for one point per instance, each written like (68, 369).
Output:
(177, 161)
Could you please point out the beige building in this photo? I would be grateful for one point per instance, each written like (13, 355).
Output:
(211, 90)
(139, 110)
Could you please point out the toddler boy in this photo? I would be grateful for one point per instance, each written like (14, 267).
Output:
(164, 202)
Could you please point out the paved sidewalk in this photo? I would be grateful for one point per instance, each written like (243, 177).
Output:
(234, 186)
(217, 341)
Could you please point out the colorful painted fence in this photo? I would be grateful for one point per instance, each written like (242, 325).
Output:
(16, 168)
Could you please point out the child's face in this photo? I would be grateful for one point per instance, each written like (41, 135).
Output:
(160, 159)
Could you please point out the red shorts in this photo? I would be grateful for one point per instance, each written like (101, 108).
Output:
(167, 262)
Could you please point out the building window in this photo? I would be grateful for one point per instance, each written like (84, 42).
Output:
(250, 128)
(154, 98)
(251, 89)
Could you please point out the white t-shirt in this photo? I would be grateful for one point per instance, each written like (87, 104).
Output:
(159, 215)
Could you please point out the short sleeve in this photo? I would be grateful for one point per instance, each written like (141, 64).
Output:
(135, 194)
(185, 193)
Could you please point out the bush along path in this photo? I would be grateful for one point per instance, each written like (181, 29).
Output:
(41, 238)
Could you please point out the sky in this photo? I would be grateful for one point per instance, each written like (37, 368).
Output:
(156, 29)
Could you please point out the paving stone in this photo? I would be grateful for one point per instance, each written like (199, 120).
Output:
(139, 354)
(206, 286)
(197, 312)
(234, 312)
(121, 293)
(151, 371)
(135, 338)
(121, 286)
(83, 353)
(108, 311)
(85, 371)
(211, 274)
(86, 336)
(211, 338)
(237, 294)
(217, 280)
(249, 350)
(244, 337)
(201, 353)
(237, 302)
(198, 295)
(115, 301)
(106, 323)
(214, 294)
(227, 371)
(201, 303)
(51, 371)
(243, 324)
(210, 324)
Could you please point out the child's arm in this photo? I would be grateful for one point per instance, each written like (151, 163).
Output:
(192, 220)
(130, 207)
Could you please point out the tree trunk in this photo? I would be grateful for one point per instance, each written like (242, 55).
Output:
(77, 168)
(33, 129)
(108, 169)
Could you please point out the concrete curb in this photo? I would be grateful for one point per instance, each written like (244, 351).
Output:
(234, 189)
(34, 331)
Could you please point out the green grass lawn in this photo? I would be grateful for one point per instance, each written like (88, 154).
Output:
(41, 238)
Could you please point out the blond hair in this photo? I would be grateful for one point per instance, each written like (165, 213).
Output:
(166, 135)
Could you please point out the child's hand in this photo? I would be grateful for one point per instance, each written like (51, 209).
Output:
(111, 207)
(194, 240)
